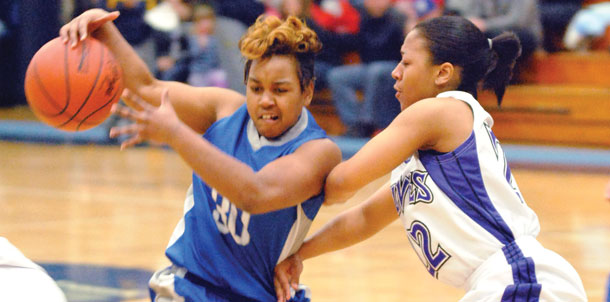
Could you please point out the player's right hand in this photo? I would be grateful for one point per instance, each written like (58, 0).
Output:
(79, 28)
(287, 275)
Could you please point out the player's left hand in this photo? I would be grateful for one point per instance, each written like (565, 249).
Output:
(155, 124)
(287, 275)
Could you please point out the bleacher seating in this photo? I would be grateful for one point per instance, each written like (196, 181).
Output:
(563, 99)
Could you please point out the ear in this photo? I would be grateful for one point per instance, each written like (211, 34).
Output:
(308, 93)
(444, 74)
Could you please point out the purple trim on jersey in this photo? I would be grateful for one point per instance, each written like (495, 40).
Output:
(458, 175)
(526, 287)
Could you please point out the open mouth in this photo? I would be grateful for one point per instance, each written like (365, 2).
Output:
(269, 117)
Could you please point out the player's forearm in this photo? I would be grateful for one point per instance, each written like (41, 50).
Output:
(135, 72)
(232, 178)
(343, 231)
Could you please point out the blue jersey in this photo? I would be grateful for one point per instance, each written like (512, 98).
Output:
(231, 250)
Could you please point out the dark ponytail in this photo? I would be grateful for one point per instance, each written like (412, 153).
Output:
(456, 40)
(506, 48)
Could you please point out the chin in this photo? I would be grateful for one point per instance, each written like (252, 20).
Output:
(270, 134)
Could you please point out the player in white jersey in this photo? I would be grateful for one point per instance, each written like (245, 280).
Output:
(450, 184)
(259, 160)
(22, 280)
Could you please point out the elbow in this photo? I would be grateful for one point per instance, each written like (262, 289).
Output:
(337, 189)
(247, 202)
(252, 200)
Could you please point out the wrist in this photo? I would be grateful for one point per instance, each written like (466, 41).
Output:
(304, 252)
(176, 133)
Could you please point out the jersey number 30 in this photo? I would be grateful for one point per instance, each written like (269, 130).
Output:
(226, 214)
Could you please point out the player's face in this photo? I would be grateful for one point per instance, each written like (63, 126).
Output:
(414, 74)
(274, 97)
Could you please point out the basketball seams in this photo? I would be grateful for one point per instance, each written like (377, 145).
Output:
(100, 108)
(97, 77)
(44, 85)
(46, 94)
(66, 76)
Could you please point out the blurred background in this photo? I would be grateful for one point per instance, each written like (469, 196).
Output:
(98, 219)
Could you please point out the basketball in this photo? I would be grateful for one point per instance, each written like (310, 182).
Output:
(72, 89)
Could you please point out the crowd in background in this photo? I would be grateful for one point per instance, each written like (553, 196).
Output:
(195, 41)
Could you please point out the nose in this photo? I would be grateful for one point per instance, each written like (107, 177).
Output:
(266, 100)
(396, 72)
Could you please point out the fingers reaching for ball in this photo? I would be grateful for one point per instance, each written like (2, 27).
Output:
(80, 27)
(151, 123)
(139, 116)
(135, 101)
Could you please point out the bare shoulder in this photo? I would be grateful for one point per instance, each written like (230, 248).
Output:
(434, 110)
(225, 101)
(443, 122)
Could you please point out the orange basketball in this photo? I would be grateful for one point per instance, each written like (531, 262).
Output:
(73, 89)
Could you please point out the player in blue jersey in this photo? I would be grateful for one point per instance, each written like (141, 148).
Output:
(450, 183)
(259, 160)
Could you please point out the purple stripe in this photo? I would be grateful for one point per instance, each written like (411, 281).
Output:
(522, 292)
(458, 175)
(525, 287)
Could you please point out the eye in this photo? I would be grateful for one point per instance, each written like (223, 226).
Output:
(256, 89)
(280, 90)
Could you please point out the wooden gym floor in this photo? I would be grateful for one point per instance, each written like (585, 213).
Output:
(97, 205)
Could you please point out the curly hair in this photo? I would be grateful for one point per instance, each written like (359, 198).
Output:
(270, 36)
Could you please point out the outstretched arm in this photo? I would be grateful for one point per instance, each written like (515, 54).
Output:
(437, 124)
(284, 182)
(197, 107)
(350, 227)
(409, 131)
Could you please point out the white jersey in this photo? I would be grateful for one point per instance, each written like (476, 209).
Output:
(23, 280)
(460, 208)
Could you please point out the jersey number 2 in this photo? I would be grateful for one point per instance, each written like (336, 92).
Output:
(225, 216)
(419, 236)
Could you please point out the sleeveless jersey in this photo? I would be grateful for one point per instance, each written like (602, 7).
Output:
(232, 250)
(460, 207)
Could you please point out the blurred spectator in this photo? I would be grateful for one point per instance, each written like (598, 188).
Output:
(132, 26)
(337, 16)
(80, 6)
(193, 55)
(9, 54)
(418, 10)
(378, 43)
(172, 19)
(555, 16)
(589, 23)
(203, 47)
(245, 11)
(330, 31)
(496, 16)
(3, 29)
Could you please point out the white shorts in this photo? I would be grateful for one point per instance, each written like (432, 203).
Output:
(558, 279)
